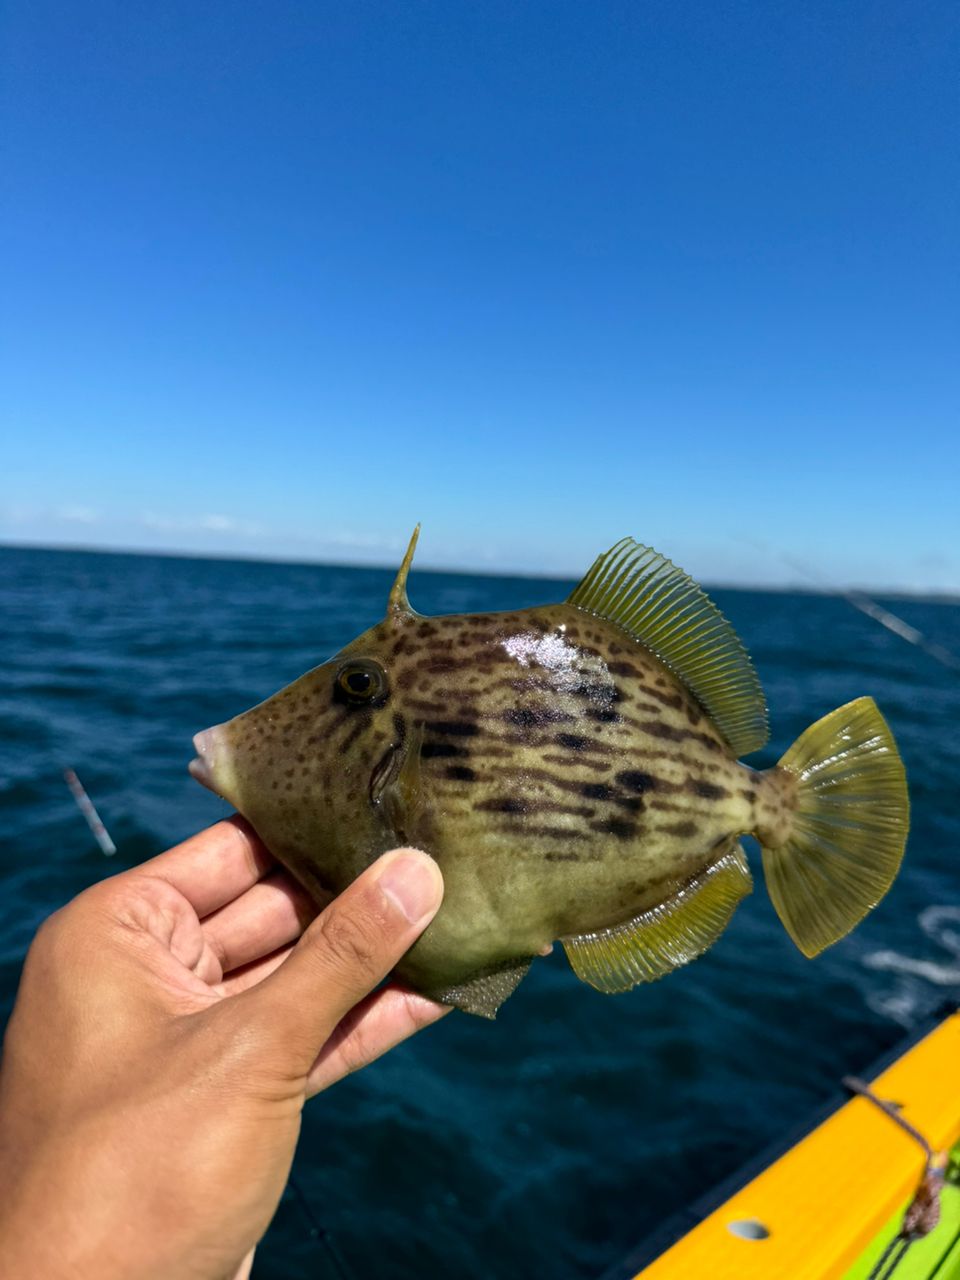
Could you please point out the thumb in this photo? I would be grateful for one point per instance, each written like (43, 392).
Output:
(350, 947)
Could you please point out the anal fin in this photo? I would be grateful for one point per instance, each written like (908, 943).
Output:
(485, 994)
(665, 936)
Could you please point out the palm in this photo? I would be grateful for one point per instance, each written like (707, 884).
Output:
(204, 949)
(216, 916)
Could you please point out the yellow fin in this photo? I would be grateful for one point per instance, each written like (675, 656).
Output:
(662, 607)
(667, 936)
(842, 847)
(397, 601)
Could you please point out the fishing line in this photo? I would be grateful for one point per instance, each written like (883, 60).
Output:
(864, 604)
(317, 1231)
(922, 1214)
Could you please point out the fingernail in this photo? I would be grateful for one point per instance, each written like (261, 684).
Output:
(410, 882)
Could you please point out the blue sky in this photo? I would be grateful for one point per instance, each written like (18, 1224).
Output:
(284, 278)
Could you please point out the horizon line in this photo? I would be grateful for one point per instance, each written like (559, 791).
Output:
(945, 595)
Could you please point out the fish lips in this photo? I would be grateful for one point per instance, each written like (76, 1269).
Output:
(209, 760)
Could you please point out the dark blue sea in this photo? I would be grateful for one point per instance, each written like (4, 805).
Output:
(554, 1140)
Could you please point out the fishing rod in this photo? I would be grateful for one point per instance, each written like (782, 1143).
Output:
(93, 819)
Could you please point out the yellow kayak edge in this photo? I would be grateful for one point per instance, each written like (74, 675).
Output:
(813, 1209)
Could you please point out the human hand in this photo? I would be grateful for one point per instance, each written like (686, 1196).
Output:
(167, 1032)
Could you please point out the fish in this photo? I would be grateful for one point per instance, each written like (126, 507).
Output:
(575, 771)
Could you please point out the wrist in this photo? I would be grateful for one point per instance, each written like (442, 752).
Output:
(41, 1235)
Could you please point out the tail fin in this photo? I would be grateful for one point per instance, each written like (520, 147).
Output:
(832, 860)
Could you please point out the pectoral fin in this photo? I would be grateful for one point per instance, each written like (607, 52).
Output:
(395, 785)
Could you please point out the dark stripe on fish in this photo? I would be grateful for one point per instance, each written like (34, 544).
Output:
(442, 749)
(707, 790)
(461, 773)
(455, 728)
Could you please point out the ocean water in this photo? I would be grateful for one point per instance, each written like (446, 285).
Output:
(552, 1141)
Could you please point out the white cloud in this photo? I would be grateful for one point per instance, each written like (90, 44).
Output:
(363, 541)
(210, 523)
(77, 515)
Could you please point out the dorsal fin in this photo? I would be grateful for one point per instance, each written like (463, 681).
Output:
(666, 936)
(662, 607)
(397, 601)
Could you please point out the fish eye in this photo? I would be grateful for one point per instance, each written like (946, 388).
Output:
(361, 683)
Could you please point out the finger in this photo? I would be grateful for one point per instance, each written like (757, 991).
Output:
(214, 867)
(246, 1266)
(250, 974)
(376, 1024)
(273, 912)
(351, 946)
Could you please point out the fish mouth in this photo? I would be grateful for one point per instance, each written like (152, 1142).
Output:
(209, 760)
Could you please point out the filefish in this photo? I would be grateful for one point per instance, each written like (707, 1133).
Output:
(574, 770)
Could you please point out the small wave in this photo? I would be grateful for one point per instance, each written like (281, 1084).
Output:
(910, 996)
(898, 1006)
(932, 921)
(941, 975)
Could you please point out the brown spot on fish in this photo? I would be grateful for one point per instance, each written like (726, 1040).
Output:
(501, 804)
(354, 733)
(672, 700)
(528, 717)
(706, 790)
(660, 729)
(617, 827)
(461, 773)
(623, 669)
(596, 791)
(430, 750)
(636, 780)
(455, 728)
(682, 829)
(598, 766)
(556, 833)
(425, 705)
(632, 804)
(604, 715)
